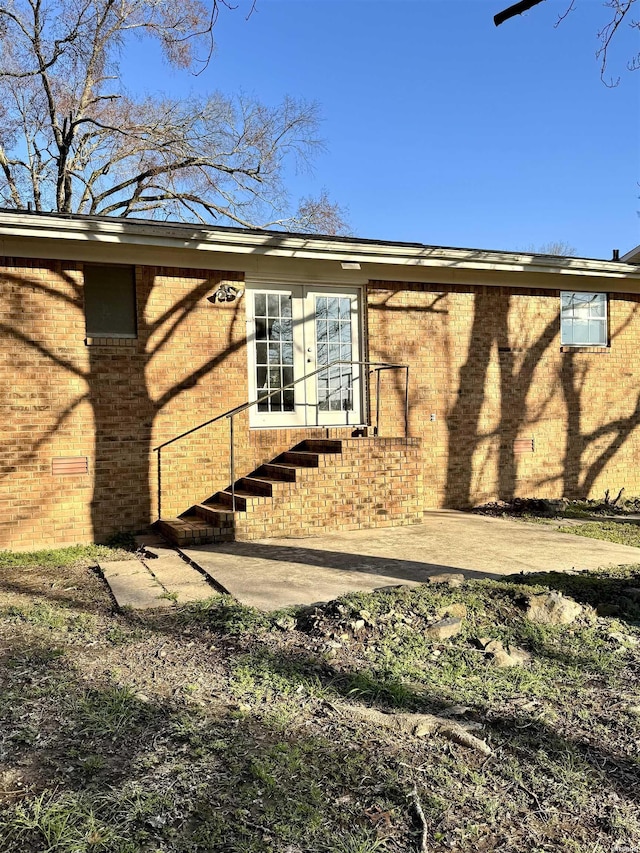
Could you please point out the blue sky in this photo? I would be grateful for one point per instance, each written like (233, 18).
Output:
(441, 128)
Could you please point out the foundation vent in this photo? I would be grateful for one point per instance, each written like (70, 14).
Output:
(524, 445)
(69, 465)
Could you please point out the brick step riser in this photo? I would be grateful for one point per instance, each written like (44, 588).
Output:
(246, 484)
(204, 537)
(320, 445)
(273, 472)
(243, 503)
(304, 459)
(261, 489)
(214, 516)
(226, 498)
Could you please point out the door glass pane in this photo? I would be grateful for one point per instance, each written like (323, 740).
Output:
(273, 305)
(334, 343)
(287, 375)
(261, 305)
(334, 353)
(274, 347)
(274, 353)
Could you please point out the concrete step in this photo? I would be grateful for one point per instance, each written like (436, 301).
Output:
(132, 585)
(182, 581)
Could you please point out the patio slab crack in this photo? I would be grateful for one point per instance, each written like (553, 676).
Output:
(157, 576)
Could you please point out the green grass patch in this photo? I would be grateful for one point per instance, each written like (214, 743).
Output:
(109, 713)
(406, 669)
(216, 727)
(60, 558)
(65, 824)
(44, 615)
(611, 531)
(223, 614)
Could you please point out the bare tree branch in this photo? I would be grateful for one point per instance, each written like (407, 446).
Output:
(5, 165)
(512, 11)
(620, 10)
(85, 145)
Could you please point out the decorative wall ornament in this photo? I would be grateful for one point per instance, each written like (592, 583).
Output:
(225, 293)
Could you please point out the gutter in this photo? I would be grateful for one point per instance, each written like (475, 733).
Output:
(88, 229)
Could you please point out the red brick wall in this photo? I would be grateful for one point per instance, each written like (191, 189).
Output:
(111, 401)
(485, 361)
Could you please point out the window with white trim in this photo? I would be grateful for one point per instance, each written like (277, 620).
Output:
(583, 319)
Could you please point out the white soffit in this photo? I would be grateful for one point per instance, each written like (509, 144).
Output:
(19, 226)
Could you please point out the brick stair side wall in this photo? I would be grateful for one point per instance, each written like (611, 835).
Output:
(374, 482)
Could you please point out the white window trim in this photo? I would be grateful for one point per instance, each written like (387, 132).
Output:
(604, 343)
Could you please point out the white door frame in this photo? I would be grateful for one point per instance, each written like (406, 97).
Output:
(301, 355)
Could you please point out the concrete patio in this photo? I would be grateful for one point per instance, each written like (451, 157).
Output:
(274, 573)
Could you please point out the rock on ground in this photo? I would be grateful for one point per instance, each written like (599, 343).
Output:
(504, 657)
(445, 628)
(552, 609)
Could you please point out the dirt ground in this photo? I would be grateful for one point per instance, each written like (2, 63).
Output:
(214, 727)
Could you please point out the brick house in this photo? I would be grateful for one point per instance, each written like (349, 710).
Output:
(125, 344)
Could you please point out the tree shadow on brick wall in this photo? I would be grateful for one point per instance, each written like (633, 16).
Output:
(518, 354)
(114, 381)
(490, 336)
(589, 451)
(383, 346)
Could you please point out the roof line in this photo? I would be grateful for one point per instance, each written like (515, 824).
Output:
(233, 240)
(204, 229)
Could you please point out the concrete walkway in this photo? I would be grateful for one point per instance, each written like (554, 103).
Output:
(156, 577)
(274, 573)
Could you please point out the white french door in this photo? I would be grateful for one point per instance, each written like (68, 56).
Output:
(292, 331)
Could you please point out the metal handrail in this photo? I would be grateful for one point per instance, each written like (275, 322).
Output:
(377, 366)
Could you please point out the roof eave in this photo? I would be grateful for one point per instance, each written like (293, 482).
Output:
(284, 245)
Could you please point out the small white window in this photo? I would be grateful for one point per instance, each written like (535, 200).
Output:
(583, 319)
